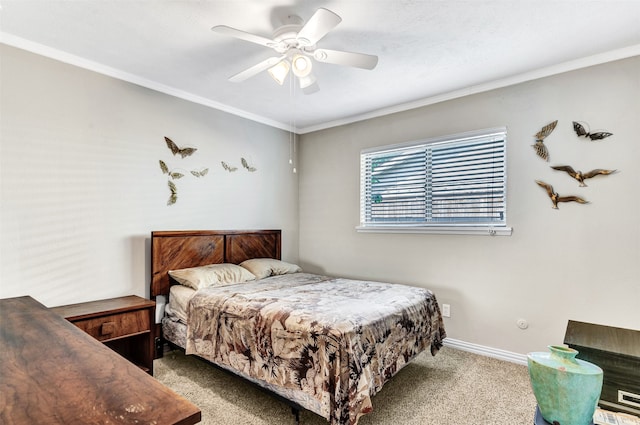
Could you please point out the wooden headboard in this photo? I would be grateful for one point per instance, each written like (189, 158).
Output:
(179, 249)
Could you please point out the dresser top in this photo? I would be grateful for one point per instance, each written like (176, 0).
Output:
(53, 373)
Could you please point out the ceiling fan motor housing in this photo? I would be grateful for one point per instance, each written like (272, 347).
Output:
(286, 37)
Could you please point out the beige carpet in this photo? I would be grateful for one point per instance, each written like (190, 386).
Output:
(453, 388)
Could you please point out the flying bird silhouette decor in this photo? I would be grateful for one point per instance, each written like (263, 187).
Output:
(228, 167)
(174, 175)
(539, 146)
(579, 175)
(200, 173)
(582, 132)
(555, 198)
(174, 193)
(184, 152)
(246, 165)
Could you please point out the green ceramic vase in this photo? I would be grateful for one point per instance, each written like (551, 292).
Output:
(567, 389)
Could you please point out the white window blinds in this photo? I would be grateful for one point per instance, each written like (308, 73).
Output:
(452, 181)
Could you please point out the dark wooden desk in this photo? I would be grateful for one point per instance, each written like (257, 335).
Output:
(51, 372)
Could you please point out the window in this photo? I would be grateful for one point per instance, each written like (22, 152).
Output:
(452, 184)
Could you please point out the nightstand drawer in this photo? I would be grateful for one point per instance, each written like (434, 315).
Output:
(124, 324)
(116, 325)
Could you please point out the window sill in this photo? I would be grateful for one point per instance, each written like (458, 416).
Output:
(439, 230)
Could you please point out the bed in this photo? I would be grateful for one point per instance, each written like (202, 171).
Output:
(322, 343)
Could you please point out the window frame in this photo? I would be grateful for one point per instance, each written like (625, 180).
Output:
(468, 228)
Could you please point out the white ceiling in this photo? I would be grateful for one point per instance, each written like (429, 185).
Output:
(428, 50)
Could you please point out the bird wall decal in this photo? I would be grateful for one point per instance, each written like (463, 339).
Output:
(200, 173)
(184, 152)
(174, 193)
(582, 132)
(555, 198)
(246, 165)
(172, 174)
(228, 167)
(579, 175)
(539, 146)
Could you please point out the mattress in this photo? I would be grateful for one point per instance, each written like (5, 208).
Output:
(179, 297)
(327, 344)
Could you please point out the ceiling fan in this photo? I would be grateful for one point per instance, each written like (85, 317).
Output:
(295, 43)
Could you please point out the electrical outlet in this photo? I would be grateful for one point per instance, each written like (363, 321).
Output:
(446, 310)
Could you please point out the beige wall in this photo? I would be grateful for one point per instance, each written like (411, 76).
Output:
(580, 262)
(81, 185)
(81, 190)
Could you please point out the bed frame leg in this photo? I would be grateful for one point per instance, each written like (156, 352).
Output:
(296, 413)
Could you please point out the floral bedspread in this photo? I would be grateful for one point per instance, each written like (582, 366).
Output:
(329, 344)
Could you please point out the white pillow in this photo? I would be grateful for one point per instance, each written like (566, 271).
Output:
(212, 274)
(265, 267)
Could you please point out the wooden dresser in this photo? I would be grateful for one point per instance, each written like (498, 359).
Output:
(617, 352)
(52, 372)
(124, 324)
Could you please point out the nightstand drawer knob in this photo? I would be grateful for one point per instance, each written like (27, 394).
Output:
(107, 328)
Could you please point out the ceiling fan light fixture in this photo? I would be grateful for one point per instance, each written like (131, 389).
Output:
(307, 81)
(279, 71)
(301, 65)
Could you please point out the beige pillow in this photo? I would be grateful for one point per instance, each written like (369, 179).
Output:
(212, 274)
(265, 267)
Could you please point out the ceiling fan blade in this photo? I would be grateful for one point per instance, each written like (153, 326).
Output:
(242, 35)
(318, 26)
(358, 60)
(255, 69)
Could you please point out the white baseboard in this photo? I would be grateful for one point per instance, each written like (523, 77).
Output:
(486, 351)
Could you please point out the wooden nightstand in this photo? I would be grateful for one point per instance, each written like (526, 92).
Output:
(123, 324)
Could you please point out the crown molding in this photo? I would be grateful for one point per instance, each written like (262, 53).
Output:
(573, 65)
(42, 50)
(610, 56)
